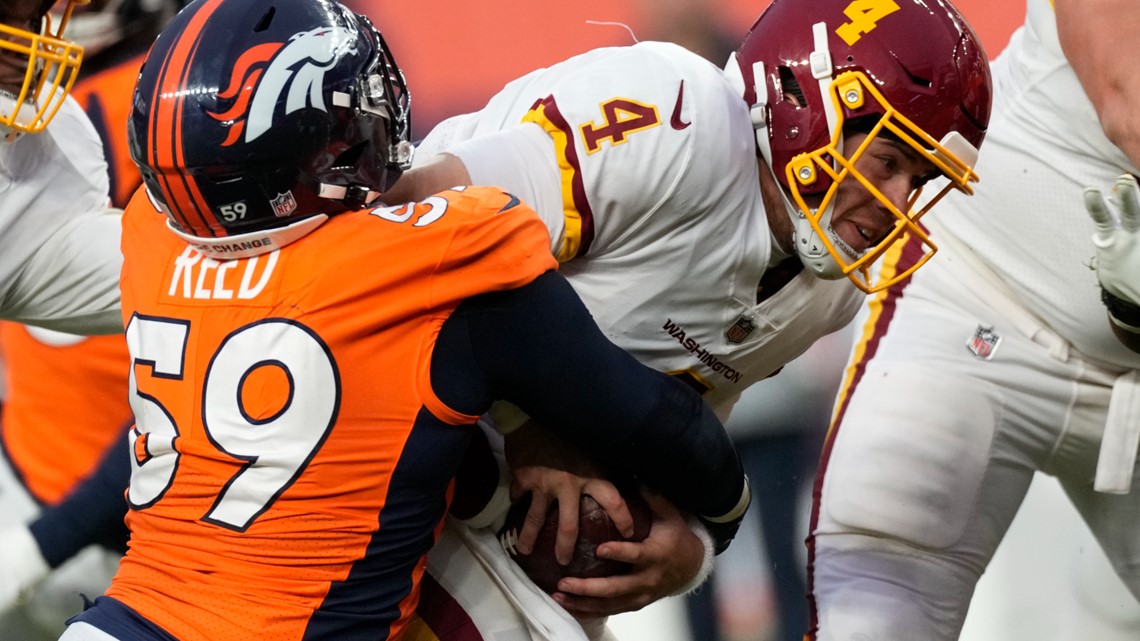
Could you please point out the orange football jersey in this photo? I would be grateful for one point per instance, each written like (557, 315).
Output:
(292, 462)
(66, 403)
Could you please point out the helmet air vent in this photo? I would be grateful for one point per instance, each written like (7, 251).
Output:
(790, 86)
(266, 20)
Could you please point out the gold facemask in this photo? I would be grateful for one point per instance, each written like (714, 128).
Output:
(954, 158)
(50, 64)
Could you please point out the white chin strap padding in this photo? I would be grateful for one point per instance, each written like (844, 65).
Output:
(811, 250)
(957, 144)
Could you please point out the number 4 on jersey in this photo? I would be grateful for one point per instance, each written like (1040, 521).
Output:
(622, 117)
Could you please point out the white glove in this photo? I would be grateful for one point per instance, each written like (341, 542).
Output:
(22, 565)
(1117, 237)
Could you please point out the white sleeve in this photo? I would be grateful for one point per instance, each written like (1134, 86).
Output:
(443, 136)
(71, 282)
(520, 160)
(75, 134)
(59, 242)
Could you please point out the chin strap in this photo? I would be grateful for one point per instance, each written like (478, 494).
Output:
(8, 105)
(759, 115)
(9, 135)
(353, 197)
(758, 111)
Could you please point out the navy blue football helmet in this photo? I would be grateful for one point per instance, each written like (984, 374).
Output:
(255, 116)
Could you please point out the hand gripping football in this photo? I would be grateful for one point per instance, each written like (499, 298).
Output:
(594, 528)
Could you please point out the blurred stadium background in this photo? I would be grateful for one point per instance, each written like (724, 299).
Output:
(457, 54)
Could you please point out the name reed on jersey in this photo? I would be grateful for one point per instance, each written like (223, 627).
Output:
(198, 277)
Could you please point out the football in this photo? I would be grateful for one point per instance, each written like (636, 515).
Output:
(594, 528)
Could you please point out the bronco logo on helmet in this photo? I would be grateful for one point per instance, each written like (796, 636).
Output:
(297, 67)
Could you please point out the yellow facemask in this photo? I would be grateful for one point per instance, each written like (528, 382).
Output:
(954, 158)
(51, 64)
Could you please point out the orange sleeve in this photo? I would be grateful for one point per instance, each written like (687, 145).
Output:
(501, 244)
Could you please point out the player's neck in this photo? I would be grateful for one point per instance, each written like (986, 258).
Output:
(780, 228)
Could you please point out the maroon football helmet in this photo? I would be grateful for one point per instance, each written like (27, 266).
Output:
(910, 69)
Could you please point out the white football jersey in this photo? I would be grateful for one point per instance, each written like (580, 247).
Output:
(59, 242)
(642, 162)
(1038, 239)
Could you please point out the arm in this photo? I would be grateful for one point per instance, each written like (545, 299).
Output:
(71, 283)
(92, 513)
(439, 173)
(1101, 39)
(538, 347)
(519, 159)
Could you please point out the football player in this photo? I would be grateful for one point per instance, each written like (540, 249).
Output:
(715, 223)
(59, 259)
(308, 370)
(59, 266)
(996, 362)
(65, 400)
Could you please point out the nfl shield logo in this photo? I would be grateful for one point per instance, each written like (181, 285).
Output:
(740, 330)
(284, 204)
(984, 343)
